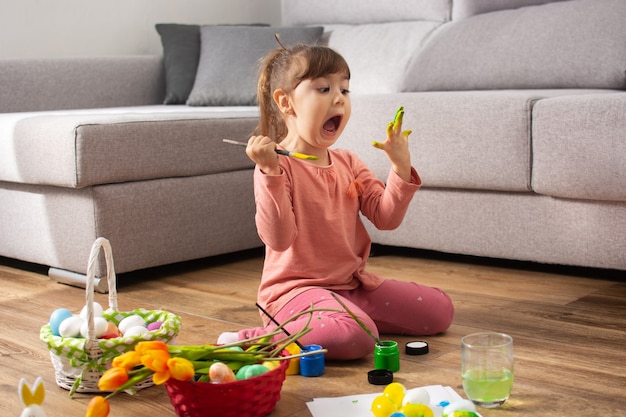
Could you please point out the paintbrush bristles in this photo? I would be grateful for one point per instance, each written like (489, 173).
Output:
(234, 142)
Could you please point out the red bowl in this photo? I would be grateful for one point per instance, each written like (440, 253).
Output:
(253, 397)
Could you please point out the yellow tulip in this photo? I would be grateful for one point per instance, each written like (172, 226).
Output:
(181, 369)
(98, 407)
(155, 360)
(161, 377)
(112, 379)
(127, 360)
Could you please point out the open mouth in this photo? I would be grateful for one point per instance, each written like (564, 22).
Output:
(332, 124)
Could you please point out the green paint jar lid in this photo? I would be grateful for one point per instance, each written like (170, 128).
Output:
(380, 377)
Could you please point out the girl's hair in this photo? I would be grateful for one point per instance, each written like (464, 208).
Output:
(286, 68)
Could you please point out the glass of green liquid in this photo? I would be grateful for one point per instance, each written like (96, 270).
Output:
(487, 368)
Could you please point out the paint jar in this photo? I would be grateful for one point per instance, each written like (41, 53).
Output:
(294, 364)
(387, 355)
(313, 364)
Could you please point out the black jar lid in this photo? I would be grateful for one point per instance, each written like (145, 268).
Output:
(380, 377)
(416, 347)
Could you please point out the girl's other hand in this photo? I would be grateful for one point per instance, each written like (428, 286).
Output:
(397, 146)
(262, 151)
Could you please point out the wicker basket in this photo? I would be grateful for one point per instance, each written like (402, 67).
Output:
(254, 397)
(80, 362)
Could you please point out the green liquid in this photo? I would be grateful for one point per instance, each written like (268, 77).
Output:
(488, 388)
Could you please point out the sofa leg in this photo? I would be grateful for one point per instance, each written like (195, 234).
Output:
(77, 280)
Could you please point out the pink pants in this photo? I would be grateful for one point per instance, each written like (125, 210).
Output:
(395, 307)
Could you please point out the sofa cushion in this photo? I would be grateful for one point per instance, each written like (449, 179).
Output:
(85, 147)
(466, 140)
(469, 140)
(229, 59)
(579, 147)
(181, 52)
(510, 49)
(375, 67)
(307, 12)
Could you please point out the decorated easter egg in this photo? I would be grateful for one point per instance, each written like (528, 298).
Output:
(99, 325)
(461, 408)
(463, 413)
(382, 406)
(135, 331)
(155, 325)
(97, 311)
(417, 410)
(130, 321)
(249, 371)
(417, 396)
(235, 348)
(271, 365)
(219, 373)
(56, 318)
(395, 392)
(70, 327)
(111, 331)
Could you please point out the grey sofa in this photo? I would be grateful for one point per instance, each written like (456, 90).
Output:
(156, 180)
(517, 108)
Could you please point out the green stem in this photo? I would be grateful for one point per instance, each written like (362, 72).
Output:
(358, 320)
(277, 347)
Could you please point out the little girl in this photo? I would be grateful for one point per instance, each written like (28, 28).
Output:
(308, 212)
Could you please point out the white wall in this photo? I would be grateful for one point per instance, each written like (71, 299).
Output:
(56, 28)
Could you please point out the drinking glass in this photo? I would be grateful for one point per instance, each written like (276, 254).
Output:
(487, 368)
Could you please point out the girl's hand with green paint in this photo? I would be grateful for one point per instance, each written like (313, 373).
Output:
(397, 146)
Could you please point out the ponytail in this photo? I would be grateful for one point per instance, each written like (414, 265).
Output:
(270, 122)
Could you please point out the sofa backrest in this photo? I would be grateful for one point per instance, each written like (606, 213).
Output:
(75, 83)
(565, 44)
(430, 45)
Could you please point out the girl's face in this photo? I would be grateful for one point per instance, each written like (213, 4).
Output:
(320, 111)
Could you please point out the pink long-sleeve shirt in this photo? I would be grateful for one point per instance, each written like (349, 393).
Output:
(308, 218)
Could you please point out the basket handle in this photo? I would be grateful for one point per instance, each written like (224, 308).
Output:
(90, 283)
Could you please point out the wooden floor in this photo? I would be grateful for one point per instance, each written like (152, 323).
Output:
(568, 325)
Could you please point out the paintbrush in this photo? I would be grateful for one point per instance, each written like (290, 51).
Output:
(278, 324)
(278, 151)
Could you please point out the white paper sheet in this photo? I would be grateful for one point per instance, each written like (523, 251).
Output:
(359, 405)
